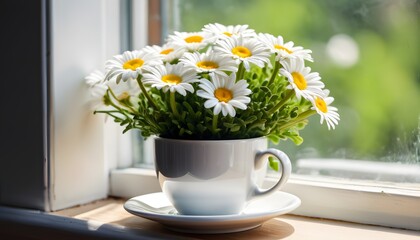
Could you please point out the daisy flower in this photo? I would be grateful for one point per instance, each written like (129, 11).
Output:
(209, 63)
(98, 88)
(124, 90)
(94, 78)
(170, 77)
(220, 31)
(224, 94)
(305, 83)
(328, 113)
(284, 50)
(167, 52)
(190, 41)
(245, 50)
(128, 65)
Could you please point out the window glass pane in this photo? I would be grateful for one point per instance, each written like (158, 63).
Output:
(367, 53)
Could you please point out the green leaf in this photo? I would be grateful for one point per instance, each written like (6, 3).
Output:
(201, 128)
(274, 138)
(198, 115)
(240, 122)
(189, 108)
(258, 124)
(229, 125)
(294, 136)
(251, 119)
(190, 127)
(274, 164)
(266, 90)
(274, 98)
(294, 112)
(235, 128)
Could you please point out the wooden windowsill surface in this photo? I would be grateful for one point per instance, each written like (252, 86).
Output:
(111, 212)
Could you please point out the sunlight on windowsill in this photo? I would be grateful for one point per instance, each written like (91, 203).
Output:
(111, 212)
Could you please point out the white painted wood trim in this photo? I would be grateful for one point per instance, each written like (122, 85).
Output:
(132, 182)
(140, 23)
(84, 34)
(353, 202)
(362, 169)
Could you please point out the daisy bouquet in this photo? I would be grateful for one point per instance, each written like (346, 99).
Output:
(224, 82)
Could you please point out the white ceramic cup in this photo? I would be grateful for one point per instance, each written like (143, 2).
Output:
(215, 177)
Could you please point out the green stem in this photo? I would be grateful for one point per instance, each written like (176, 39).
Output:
(289, 95)
(214, 123)
(241, 71)
(132, 109)
(115, 116)
(110, 114)
(122, 102)
(276, 69)
(121, 110)
(143, 89)
(104, 111)
(112, 93)
(172, 102)
(302, 117)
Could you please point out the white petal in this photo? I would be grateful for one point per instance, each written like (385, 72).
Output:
(204, 94)
(208, 84)
(210, 103)
(237, 104)
(230, 110)
(180, 90)
(217, 109)
(187, 87)
(224, 110)
(243, 93)
(246, 65)
(242, 99)
(217, 81)
(206, 88)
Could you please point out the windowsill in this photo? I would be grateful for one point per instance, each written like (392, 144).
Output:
(107, 218)
(349, 201)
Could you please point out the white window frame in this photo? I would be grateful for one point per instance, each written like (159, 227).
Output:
(353, 201)
(78, 170)
(82, 148)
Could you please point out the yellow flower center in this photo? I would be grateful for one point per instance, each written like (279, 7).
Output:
(223, 94)
(133, 64)
(172, 79)
(228, 34)
(279, 47)
(123, 96)
(241, 51)
(167, 51)
(299, 80)
(194, 39)
(321, 105)
(207, 65)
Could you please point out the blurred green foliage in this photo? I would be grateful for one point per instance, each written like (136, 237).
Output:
(378, 97)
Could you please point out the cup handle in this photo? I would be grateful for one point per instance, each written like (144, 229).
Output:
(286, 170)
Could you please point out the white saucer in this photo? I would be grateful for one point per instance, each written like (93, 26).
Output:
(156, 207)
